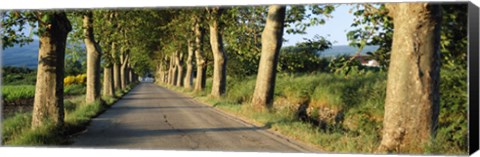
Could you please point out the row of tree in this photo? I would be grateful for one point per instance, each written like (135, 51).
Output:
(412, 102)
(53, 28)
(131, 42)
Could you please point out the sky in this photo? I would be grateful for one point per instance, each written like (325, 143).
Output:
(334, 29)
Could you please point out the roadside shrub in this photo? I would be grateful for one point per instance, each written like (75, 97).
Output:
(75, 89)
(18, 76)
(79, 79)
(69, 80)
(15, 125)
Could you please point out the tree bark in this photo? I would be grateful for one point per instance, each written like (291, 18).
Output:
(200, 58)
(188, 75)
(48, 103)
(179, 65)
(130, 75)
(93, 60)
(108, 81)
(116, 69)
(169, 72)
(123, 70)
(108, 89)
(219, 56)
(159, 73)
(127, 75)
(271, 44)
(412, 97)
(165, 71)
(116, 76)
(174, 71)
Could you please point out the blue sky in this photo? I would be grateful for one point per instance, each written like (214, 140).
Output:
(334, 29)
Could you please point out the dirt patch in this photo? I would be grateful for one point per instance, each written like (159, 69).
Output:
(9, 108)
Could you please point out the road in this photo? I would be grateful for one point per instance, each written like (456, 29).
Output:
(153, 117)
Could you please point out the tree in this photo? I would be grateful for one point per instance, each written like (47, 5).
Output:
(304, 56)
(53, 28)
(189, 73)
(271, 44)
(108, 86)
(200, 56)
(219, 55)
(243, 27)
(374, 27)
(412, 97)
(179, 65)
(93, 59)
(124, 59)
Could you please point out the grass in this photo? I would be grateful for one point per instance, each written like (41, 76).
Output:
(17, 92)
(75, 89)
(16, 129)
(349, 111)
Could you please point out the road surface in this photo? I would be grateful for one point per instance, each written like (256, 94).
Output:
(153, 117)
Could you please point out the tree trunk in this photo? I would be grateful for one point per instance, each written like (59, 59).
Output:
(174, 70)
(271, 44)
(188, 75)
(219, 56)
(127, 75)
(108, 89)
(179, 62)
(93, 60)
(159, 74)
(165, 71)
(169, 72)
(412, 97)
(200, 58)
(123, 70)
(48, 103)
(116, 76)
(130, 75)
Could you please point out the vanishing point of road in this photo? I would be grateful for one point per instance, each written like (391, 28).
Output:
(153, 117)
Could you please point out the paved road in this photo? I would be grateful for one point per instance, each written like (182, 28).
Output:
(153, 117)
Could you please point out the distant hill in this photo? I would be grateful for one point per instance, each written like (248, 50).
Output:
(24, 56)
(345, 49)
(27, 55)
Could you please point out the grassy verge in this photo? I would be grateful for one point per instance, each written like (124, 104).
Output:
(16, 129)
(345, 114)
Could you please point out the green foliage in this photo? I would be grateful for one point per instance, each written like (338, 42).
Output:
(75, 58)
(452, 133)
(373, 27)
(304, 57)
(75, 89)
(11, 93)
(296, 15)
(347, 65)
(18, 76)
(15, 125)
(13, 24)
(240, 92)
(17, 92)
